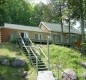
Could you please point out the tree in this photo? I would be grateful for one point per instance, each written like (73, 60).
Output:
(82, 24)
(1, 12)
(18, 12)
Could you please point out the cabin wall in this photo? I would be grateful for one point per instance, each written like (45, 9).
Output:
(6, 34)
(0, 35)
(43, 28)
(31, 35)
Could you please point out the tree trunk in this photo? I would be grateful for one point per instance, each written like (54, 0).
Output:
(61, 24)
(82, 25)
(69, 28)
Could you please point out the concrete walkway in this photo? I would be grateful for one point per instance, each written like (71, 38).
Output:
(45, 75)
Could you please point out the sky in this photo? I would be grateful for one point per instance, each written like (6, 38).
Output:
(38, 1)
(77, 26)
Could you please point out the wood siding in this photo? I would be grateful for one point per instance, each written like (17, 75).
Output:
(43, 28)
(0, 35)
(5, 34)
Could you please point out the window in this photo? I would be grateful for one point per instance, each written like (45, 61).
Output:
(74, 38)
(40, 36)
(56, 38)
(36, 36)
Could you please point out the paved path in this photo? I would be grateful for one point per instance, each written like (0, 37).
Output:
(45, 75)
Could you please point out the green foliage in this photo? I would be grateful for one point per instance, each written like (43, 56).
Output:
(9, 73)
(18, 12)
(11, 51)
(2, 12)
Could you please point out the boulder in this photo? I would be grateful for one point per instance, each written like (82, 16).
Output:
(17, 63)
(24, 74)
(69, 74)
(5, 62)
(83, 64)
(84, 75)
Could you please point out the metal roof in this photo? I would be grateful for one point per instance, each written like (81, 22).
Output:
(22, 27)
(57, 28)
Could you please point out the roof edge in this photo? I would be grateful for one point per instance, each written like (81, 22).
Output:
(46, 26)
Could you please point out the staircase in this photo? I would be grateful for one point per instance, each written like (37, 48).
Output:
(42, 71)
(35, 59)
(27, 46)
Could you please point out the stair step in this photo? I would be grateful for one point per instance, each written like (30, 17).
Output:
(42, 69)
(31, 54)
(45, 75)
(42, 65)
(38, 63)
(25, 50)
(34, 60)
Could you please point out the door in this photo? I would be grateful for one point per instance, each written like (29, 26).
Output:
(22, 35)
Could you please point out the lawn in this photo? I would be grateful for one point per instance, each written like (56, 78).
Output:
(10, 51)
(62, 56)
(65, 58)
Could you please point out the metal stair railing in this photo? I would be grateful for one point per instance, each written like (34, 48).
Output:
(23, 44)
(30, 41)
(39, 48)
(41, 51)
(29, 52)
(36, 59)
(59, 68)
(42, 54)
(33, 46)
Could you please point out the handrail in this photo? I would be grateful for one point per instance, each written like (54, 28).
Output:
(33, 52)
(30, 41)
(28, 52)
(59, 68)
(36, 59)
(39, 47)
(43, 53)
(24, 44)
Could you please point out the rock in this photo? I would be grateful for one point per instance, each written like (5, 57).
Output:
(83, 64)
(69, 73)
(84, 75)
(24, 75)
(5, 62)
(17, 63)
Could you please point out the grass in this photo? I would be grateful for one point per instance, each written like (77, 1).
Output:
(10, 51)
(66, 58)
(63, 56)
